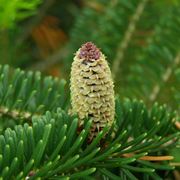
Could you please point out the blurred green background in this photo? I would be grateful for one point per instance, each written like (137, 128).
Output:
(140, 39)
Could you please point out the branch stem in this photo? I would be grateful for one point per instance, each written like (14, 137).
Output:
(15, 114)
(150, 158)
(127, 37)
(165, 77)
(50, 60)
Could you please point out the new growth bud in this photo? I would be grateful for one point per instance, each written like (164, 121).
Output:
(92, 93)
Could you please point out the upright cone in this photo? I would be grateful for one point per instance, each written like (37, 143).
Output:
(92, 93)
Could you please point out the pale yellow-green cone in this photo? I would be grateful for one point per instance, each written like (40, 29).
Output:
(92, 93)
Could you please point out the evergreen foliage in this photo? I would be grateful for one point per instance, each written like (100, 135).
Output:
(23, 95)
(50, 146)
(40, 139)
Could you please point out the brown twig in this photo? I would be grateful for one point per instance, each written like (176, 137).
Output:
(177, 124)
(156, 158)
(150, 158)
(176, 175)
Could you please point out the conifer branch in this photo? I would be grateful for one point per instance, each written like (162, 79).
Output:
(22, 95)
(102, 137)
(165, 77)
(51, 60)
(55, 133)
(127, 37)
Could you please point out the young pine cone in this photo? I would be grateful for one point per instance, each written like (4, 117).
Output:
(92, 93)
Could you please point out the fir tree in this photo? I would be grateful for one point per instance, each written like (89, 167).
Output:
(45, 134)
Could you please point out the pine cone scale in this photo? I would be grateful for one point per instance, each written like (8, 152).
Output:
(92, 93)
